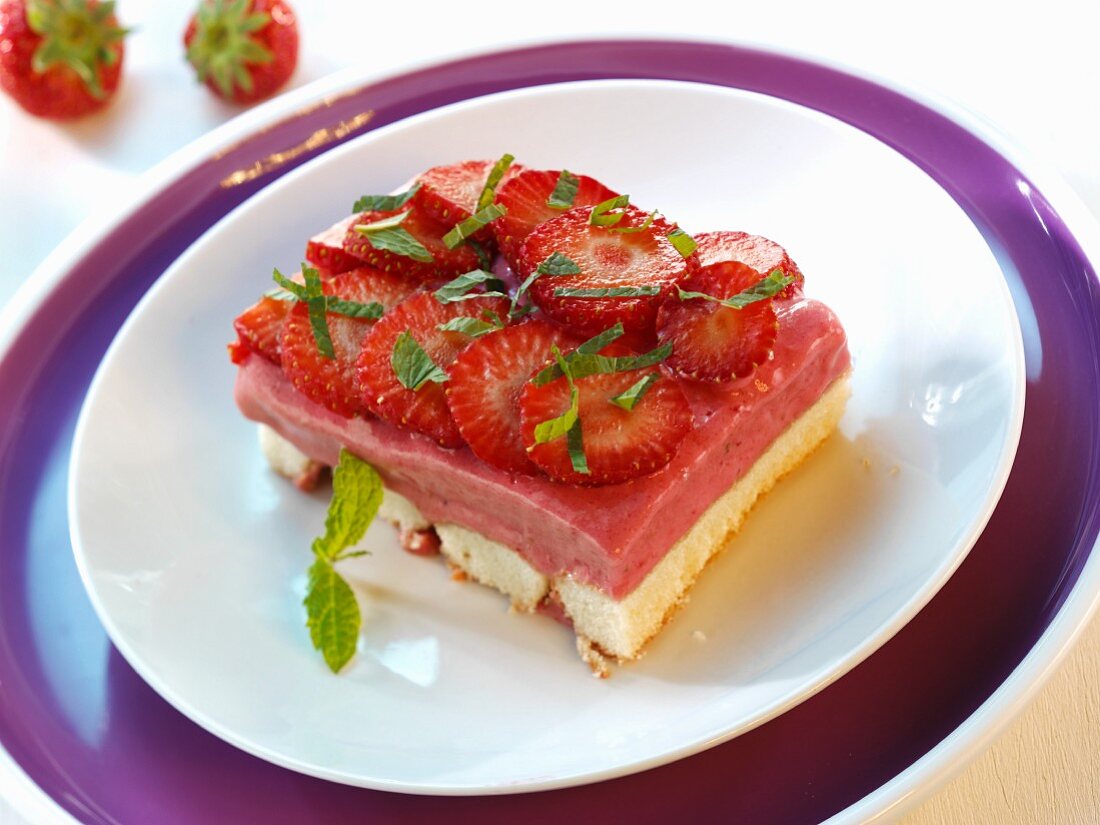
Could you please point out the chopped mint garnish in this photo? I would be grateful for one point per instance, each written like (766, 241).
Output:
(413, 367)
(496, 175)
(602, 214)
(606, 292)
(770, 285)
(463, 230)
(598, 342)
(316, 301)
(648, 222)
(565, 191)
(388, 235)
(585, 360)
(557, 264)
(631, 396)
(684, 243)
(332, 613)
(484, 259)
(567, 424)
(474, 327)
(384, 203)
(460, 288)
(353, 309)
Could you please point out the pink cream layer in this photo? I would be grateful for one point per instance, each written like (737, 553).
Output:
(609, 537)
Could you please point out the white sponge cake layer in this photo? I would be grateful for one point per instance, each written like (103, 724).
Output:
(618, 628)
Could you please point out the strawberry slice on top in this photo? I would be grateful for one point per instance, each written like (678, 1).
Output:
(486, 381)
(714, 342)
(527, 197)
(754, 251)
(325, 250)
(450, 193)
(596, 275)
(403, 361)
(258, 331)
(333, 382)
(407, 241)
(621, 439)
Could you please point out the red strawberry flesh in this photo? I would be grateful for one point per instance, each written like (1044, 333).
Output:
(325, 250)
(525, 196)
(711, 342)
(450, 193)
(763, 256)
(446, 263)
(425, 409)
(258, 329)
(333, 382)
(607, 259)
(485, 385)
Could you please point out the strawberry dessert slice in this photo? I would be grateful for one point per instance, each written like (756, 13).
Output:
(754, 251)
(408, 242)
(486, 381)
(712, 341)
(592, 276)
(629, 424)
(332, 382)
(325, 250)
(450, 193)
(258, 329)
(403, 362)
(527, 198)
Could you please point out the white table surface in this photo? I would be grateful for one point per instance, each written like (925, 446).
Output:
(1029, 70)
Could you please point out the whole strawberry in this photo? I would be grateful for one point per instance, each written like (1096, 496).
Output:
(60, 59)
(243, 50)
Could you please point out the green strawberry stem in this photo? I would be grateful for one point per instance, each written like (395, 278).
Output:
(223, 46)
(77, 34)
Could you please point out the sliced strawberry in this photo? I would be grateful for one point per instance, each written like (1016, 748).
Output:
(755, 251)
(425, 409)
(607, 259)
(258, 329)
(525, 196)
(711, 342)
(450, 193)
(325, 250)
(428, 231)
(486, 381)
(619, 444)
(332, 382)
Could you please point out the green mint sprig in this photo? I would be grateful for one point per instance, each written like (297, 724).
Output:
(384, 203)
(311, 293)
(332, 613)
(461, 231)
(633, 394)
(767, 287)
(568, 424)
(474, 327)
(565, 191)
(602, 214)
(496, 175)
(412, 365)
(642, 227)
(684, 243)
(461, 288)
(558, 264)
(389, 236)
(585, 360)
(606, 291)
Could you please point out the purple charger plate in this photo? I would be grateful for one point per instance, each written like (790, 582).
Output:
(108, 749)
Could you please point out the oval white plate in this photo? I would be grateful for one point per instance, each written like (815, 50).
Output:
(194, 553)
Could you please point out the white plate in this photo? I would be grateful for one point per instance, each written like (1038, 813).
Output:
(194, 553)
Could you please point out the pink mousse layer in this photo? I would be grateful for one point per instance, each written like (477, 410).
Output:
(609, 537)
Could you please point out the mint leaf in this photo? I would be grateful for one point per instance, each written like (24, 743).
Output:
(557, 264)
(460, 288)
(474, 327)
(584, 363)
(413, 367)
(684, 243)
(384, 203)
(356, 497)
(353, 309)
(648, 222)
(387, 235)
(565, 191)
(484, 259)
(632, 395)
(602, 214)
(316, 300)
(496, 174)
(598, 342)
(567, 424)
(767, 287)
(332, 614)
(292, 287)
(574, 443)
(464, 229)
(606, 292)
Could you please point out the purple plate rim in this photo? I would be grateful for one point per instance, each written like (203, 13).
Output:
(1063, 626)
